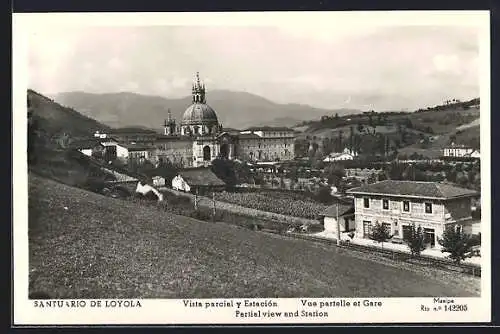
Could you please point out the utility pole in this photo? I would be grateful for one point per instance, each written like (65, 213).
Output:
(213, 202)
(386, 144)
(338, 223)
(196, 200)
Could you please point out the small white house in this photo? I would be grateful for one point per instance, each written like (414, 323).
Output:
(460, 151)
(340, 156)
(178, 183)
(127, 152)
(98, 134)
(119, 150)
(344, 212)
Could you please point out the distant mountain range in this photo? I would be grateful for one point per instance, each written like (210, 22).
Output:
(234, 109)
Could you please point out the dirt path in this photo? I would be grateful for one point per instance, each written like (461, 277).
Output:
(475, 122)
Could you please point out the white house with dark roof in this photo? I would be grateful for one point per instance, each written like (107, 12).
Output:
(339, 156)
(398, 204)
(343, 212)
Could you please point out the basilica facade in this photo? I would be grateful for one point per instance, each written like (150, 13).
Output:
(199, 138)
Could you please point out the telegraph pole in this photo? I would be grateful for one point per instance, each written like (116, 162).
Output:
(213, 201)
(196, 200)
(338, 223)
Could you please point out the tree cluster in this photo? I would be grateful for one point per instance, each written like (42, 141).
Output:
(415, 239)
(380, 233)
(457, 243)
(231, 172)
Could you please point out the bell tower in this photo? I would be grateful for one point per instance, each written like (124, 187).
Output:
(169, 125)
(198, 90)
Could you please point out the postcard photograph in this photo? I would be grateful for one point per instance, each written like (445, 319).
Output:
(251, 167)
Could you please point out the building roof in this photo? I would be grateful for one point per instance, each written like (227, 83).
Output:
(130, 131)
(230, 130)
(108, 140)
(85, 143)
(136, 147)
(200, 177)
(458, 146)
(345, 207)
(416, 189)
(269, 128)
(174, 138)
(249, 136)
(337, 154)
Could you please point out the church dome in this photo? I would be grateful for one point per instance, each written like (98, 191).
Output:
(199, 114)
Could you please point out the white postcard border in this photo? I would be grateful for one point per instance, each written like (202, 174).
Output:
(158, 311)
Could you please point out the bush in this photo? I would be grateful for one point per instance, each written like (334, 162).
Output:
(323, 195)
(117, 192)
(96, 185)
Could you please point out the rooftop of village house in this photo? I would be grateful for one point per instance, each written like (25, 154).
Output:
(419, 189)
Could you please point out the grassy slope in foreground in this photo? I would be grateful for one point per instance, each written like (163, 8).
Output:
(101, 247)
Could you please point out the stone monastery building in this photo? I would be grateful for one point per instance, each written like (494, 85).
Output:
(199, 138)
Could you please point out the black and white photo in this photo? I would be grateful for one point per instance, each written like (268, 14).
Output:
(272, 167)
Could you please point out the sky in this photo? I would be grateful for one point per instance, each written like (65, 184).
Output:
(324, 65)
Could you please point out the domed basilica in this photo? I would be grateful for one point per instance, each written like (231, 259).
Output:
(199, 118)
(201, 126)
(199, 138)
